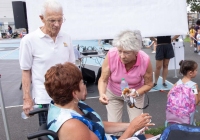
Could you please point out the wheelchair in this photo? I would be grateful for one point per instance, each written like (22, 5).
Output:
(42, 132)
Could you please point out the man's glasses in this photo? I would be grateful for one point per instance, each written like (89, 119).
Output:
(53, 21)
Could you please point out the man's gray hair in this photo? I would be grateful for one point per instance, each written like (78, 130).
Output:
(53, 5)
(129, 40)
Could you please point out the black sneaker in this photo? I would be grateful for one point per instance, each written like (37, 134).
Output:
(196, 51)
(154, 84)
(165, 85)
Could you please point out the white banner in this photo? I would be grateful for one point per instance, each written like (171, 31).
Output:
(104, 19)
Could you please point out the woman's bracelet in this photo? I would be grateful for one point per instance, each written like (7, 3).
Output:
(137, 93)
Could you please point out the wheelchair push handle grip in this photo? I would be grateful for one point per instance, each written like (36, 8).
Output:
(38, 110)
(42, 133)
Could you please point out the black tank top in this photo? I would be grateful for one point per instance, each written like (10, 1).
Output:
(163, 39)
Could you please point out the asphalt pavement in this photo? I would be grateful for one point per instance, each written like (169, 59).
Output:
(19, 128)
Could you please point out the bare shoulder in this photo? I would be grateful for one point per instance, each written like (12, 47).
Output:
(74, 129)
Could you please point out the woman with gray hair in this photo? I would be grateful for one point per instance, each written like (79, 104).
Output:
(125, 60)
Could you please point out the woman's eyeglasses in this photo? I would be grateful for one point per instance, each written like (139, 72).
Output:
(84, 82)
(125, 52)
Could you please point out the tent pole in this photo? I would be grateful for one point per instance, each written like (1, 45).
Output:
(175, 60)
(4, 113)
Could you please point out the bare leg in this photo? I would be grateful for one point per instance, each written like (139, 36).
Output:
(159, 64)
(191, 42)
(195, 47)
(154, 46)
(165, 69)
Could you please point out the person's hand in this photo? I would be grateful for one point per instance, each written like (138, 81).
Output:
(103, 99)
(132, 93)
(27, 105)
(143, 120)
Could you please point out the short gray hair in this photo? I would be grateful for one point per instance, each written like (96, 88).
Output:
(129, 40)
(54, 5)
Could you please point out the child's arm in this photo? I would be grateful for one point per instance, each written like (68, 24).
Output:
(174, 38)
(197, 95)
(198, 37)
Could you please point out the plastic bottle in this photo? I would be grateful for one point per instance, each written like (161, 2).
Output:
(23, 115)
(124, 85)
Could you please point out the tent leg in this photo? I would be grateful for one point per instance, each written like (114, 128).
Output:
(175, 76)
(4, 113)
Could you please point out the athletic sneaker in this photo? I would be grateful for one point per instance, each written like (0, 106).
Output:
(195, 50)
(165, 85)
(153, 52)
(198, 53)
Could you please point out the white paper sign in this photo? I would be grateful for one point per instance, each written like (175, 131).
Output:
(104, 19)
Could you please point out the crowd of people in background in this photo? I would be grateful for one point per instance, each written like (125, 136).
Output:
(194, 33)
(10, 33)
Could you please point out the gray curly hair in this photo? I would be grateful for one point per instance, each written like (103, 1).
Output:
(129, 40)
(54, 5)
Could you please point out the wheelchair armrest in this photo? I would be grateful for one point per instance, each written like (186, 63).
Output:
(38, 110)
(43, 133)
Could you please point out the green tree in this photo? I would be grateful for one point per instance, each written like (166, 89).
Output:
(194, 5)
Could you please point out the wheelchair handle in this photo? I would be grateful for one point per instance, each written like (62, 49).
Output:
(43, 133)
(38, 110)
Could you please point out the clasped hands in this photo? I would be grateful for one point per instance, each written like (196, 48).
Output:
(104, 99)
(130, 92)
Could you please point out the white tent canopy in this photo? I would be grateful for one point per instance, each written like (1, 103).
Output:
(104, 19)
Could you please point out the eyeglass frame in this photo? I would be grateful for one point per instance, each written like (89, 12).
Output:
(126, 53)
(52, 21)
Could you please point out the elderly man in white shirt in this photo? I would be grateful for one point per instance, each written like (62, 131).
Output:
(40, 50)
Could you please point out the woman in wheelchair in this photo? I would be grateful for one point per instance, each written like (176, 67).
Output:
(72, 119)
